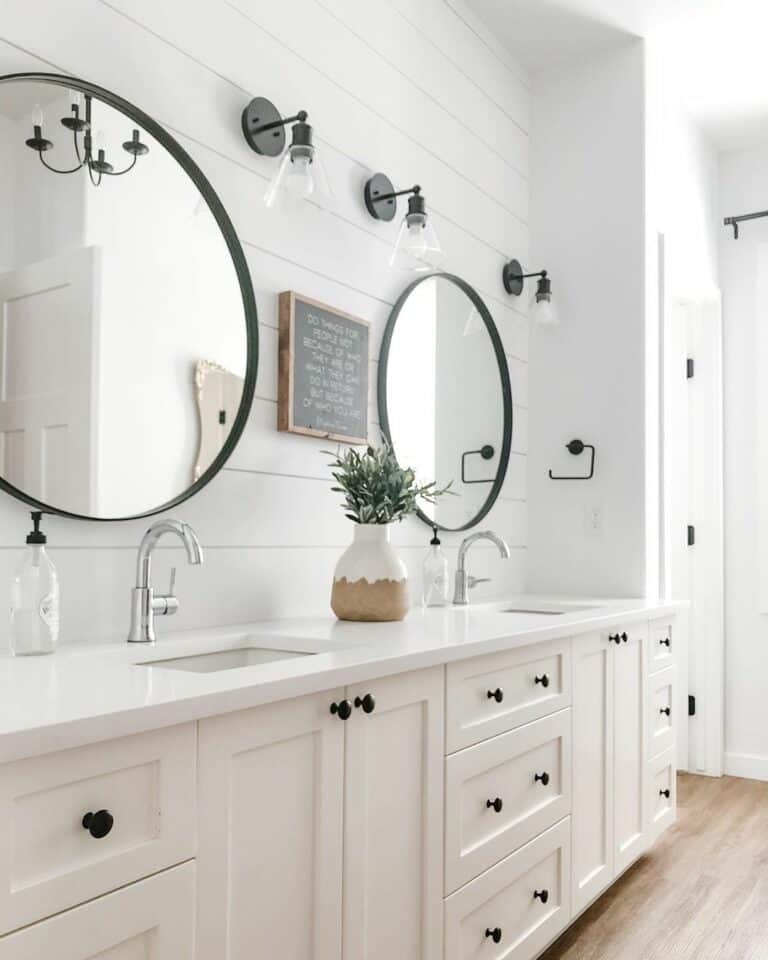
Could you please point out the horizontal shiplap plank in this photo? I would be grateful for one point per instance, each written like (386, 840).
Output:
(462, 38)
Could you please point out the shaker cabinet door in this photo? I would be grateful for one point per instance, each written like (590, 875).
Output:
(270, 838)
(593, 722)
(393, 824)
(629, 793)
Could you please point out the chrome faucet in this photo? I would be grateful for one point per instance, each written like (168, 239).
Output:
(464, 583)
(145, 606)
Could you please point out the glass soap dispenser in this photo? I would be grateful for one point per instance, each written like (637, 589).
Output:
(436, 579)
(35, 598)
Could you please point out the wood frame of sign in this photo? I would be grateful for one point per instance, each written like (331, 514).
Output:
(315, 382)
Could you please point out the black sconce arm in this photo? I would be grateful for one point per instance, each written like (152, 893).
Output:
(399, 193)
(300, 117)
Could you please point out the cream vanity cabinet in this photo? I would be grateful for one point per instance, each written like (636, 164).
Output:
(609, 757)
(321, 832)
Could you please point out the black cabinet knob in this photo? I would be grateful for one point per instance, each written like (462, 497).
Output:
(342, 709)
(367, 702)
(624, 637)
(614, 638)
(664, 793)
(497, 694)
(665, 642)
(98, 824)
(542, 778)
(542, 895)
(494, 934)
(665, 710)
(497, 804)
(543, 680)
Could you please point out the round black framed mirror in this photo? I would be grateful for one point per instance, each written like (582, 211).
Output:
(129, 341)
(445, 397)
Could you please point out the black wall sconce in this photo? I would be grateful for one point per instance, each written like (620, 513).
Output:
(98, 166)
(301, 173)
(417, 246)
(577, 447)
(543, 310)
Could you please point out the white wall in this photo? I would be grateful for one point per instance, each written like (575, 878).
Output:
(744, 189)
(587, 375)
(428, 97)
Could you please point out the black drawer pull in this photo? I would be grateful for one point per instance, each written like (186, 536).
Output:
(497, 694)
(343, 709)
(614, 638)
(98, 824)
(497, 804)
(494, 934)
(624, 637)
(542, 778)
(543, 680)
(665, 793)
(542, 895)
(665, 642)
(368, 703)
(665, 710)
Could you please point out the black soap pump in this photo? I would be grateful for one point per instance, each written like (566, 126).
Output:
(436, 581)
(35, 597)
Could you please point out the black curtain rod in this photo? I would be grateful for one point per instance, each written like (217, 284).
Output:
(735, 221)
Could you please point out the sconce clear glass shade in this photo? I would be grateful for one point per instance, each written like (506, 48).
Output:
(543, 312)
(417, 246)
(300, 176)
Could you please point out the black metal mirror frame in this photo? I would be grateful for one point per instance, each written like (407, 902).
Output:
(506, 389)
(216, 207)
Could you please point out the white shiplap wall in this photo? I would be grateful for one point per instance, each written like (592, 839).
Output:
(416, 88)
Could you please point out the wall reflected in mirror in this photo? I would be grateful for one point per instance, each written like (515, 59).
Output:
(446, 379)
(112, 297)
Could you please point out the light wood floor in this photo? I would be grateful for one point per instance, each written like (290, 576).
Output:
(700, 893)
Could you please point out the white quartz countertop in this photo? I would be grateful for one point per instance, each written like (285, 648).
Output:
(89, 692)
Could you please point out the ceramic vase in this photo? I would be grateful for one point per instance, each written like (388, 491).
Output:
(370, 581)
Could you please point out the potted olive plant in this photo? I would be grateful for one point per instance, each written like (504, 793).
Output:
(370, 581)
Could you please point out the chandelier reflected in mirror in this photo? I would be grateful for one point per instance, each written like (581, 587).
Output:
(85, 142)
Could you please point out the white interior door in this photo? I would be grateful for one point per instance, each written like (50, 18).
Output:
(48, 331)
(693, 455)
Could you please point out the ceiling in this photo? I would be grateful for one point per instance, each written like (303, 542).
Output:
(714, 51)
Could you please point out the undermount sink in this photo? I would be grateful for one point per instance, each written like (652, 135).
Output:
(550, 610)
(215, 660)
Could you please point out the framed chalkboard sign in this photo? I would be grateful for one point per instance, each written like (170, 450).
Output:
(323, 371)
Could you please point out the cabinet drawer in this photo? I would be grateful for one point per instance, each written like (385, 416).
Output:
(662, 782)
(661, 646)
(149, 920)
(494, 801)
(49, 861)
(498, 916)
(661, 711)
(490, 695)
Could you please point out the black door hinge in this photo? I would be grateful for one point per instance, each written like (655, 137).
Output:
(691, 705)
(691, 535)
(689, 368)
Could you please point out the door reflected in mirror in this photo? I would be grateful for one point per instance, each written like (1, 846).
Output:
(116, 284)
(445, 397)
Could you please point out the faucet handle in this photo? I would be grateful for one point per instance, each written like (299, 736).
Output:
(167, 604)
(473, 581)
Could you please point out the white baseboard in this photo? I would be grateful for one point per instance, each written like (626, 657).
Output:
(753, 766)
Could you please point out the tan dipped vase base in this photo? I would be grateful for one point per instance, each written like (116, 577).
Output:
(383, 600)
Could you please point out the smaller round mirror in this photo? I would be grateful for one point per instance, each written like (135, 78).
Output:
(445, 400)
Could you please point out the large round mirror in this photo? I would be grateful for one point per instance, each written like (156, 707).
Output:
(445, 401)
(129, 335)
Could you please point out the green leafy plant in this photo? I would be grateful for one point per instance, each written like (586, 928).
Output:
(376, 488)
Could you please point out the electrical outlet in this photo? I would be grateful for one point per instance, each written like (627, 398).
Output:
(593, 521)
